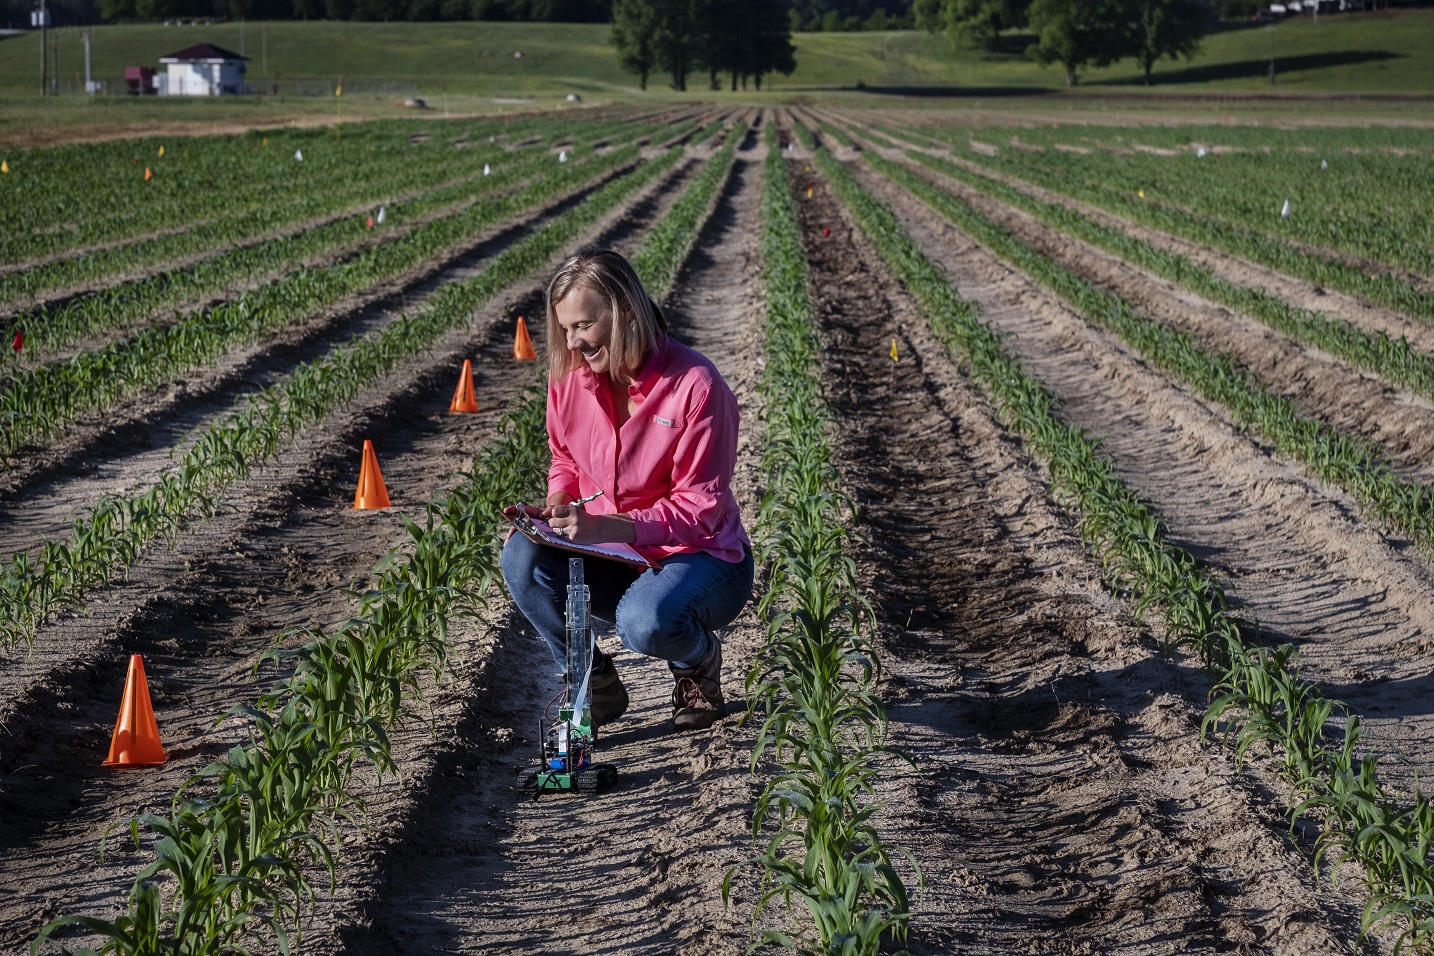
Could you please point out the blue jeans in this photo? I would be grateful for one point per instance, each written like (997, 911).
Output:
(669, 613)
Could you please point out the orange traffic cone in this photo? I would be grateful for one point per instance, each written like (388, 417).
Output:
(371, 493)
(463, 398)
(136, 737)
(522, 344)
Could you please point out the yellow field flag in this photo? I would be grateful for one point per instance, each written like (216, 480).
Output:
(266, 141)
(339, 90)
(1141, 194)
(893, 351)
(4, 167)
(161, 151)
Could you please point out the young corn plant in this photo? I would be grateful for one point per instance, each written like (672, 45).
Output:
(278, 800)
(1259, 700)
(1350, 462)
(814, 682)
(115, 532)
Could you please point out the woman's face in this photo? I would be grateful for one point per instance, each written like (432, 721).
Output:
(587, 327)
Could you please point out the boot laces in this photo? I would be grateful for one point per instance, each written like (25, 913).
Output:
(688, 693)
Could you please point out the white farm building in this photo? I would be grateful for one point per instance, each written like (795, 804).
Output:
(204, 70)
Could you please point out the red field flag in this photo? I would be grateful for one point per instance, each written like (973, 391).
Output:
(19, 344)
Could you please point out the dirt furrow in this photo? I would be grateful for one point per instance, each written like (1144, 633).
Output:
(123, 449)
(1296, 554)
(477, 867)
(1061, 799)
(204, 613)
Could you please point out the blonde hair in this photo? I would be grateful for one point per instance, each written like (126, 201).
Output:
(637, 322)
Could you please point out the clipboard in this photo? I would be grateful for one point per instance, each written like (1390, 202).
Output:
(538, 531)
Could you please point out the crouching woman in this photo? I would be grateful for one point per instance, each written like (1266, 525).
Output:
(643, 432)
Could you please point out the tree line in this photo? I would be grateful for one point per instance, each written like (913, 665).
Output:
(747, 39)
(1074, 33)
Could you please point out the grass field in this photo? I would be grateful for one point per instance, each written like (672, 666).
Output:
(1367, 53)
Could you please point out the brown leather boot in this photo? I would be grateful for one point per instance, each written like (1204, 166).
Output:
(697, 696)
(607, 698)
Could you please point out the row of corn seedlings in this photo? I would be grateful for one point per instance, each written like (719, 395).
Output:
(64, 200)
(1391, 359)
(814, 681)
(372, 176)
(108, 538)
(237, 859)
(37, 403)
(1259, 698)
(47, 329)
(118, 306)
(1384, 288)
(1353, 463)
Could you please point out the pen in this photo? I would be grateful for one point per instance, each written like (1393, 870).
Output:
(582, 501)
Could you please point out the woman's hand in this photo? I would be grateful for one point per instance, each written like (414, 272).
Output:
(575, 524)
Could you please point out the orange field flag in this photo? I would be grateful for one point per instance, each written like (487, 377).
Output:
(148, 174)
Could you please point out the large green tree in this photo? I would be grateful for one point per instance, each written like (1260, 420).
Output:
(1077, 33)
(746, 38)
(1164, 28)
(634, 30)
(977, 22)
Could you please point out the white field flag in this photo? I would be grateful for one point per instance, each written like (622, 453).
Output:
(486, 170)
(299, 155)
(1285, 210)
(1324, 164)
(379, 218)
(563, 156)
(1200, 151)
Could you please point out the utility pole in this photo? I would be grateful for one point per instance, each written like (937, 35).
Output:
(1270, 30)
(43, 50)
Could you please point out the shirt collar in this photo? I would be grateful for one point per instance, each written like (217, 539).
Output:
(646, 378)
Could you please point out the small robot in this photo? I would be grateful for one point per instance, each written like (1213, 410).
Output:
(565, 728)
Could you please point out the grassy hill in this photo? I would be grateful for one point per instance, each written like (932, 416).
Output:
(468, 66)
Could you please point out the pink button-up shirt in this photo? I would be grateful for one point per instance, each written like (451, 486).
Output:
(669, 466)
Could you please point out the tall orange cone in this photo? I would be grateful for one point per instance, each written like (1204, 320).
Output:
(371, 493)
(463, 398)
(136, 737)
(522, 344)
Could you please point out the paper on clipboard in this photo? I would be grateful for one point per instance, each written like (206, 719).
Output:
(540, 532)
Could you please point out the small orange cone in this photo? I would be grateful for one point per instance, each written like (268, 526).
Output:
(463, 398)
(136, 737)
(522, 344)
(148, 174)
(371, 493)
